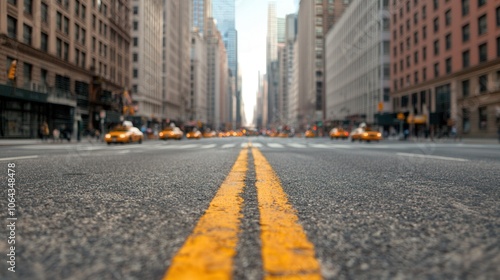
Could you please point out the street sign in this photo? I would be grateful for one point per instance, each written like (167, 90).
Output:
(401, 116)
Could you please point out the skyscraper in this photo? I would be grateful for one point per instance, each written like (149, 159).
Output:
(224, 14)
(202, 10)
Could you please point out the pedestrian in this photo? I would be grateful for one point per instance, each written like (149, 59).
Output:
(45, 131)
(56, 134)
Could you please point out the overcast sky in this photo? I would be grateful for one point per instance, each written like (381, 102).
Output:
(251, 23)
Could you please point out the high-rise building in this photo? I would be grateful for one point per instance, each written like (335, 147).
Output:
(72, 65)
(445, 69)
(217, 79)
(202, 10)
(197, 108)
(315, 18)
(147, 23)
(357, 64)
(272, 114)
(176, 59)
(224, 14)
(288, 68)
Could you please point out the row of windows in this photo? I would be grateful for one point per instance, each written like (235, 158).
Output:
(465, 7)
(482, 52)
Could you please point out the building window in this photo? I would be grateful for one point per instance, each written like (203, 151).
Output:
(415, 57)
(465, 33)
(44, 13)
(416, 77)
(424, 53)
(84, 12)
(13, 2)
(483, 52)
(483, 83)
(436, 47)
(136, 25)
(465, 7)
(27, 34)
(448, 65)
(66, 52)
(28, 7)
(135, 57)
(424, 74)
(482, 25)
(12, 27)
(27, 72)
(136, 10)
(436, 25)
(424, 32)
(448, 41)
(498, 16)
(498, 46)
(59, 47)
(136, 41)
(135, 73)
(466, 59)
(424, 12)
(447, 17)
(481, 2)
(415, 38)
(44, 42)
(436, 70)
(436, 4)
(465, 88)
(415, 18)
(483, 118)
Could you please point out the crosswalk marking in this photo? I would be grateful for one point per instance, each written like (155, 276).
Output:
(257, 145)
(296, 145)
(209, 146)
(225, 146)
(322, 146)
(275, 145)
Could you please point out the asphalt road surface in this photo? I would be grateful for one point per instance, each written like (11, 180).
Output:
(251, 208)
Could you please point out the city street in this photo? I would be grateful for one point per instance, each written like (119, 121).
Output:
(311, 208)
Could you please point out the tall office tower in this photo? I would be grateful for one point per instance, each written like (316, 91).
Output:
(446, 66)
(176, 59)
(224, 14)
(197, 108)
(272, 65)
(147, 23)
(315, 18)
(288, 67)
(217, 78)
(358, 64)
(202, 11)
(72, 65)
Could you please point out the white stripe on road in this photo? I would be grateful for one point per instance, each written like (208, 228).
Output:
(257, 145)
(322, 146)
(245, 145)
(432, 157)
(275, 145)
(296, 145)
(209, 146)
(188, 146)
(342, 146)
(225, 146)
(123, 152)
(16, 158)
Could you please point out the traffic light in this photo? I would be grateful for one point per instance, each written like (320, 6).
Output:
(12, 70)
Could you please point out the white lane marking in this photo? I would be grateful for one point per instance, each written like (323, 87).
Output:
(296, 145)
(225, 146)
(322, 146)
(275, 145)
(257, 145)
(245, 145)
(188, 146)
(16, 158)
(123, 152)
(342, 146)
(432, 157)
(209, 146)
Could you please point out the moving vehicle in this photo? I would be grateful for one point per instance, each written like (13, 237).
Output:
(339, 133)
(365, 134)
(124, 134)
(310, 134)
(171, 133)
(193, 134)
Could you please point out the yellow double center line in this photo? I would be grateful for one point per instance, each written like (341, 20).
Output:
(209, 251)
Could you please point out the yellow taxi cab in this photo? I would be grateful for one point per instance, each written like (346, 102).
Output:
(171, 133)
(338, 133)
(310, 134)
(283, 135)
(124, 134)
(209, 134)
(366, 134)
(193, 134)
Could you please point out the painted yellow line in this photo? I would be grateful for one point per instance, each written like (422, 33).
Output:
(286, 252)
(209, 250)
